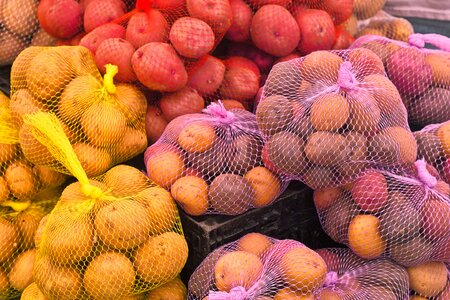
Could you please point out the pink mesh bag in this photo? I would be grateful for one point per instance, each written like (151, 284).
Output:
(258, 267)
(404, 216)
(430, 280)
(351, 277)
(433, 144)
(328, 116)
(422, 76)
(211, 163)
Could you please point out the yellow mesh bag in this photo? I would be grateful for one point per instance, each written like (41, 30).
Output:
(19, 233)
(107, 238)
(103, 121)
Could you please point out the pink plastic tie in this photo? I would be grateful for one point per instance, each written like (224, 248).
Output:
(346, 78)
(331, 279)
(424, 176)
(419, 40)
(236, 293)
(219, 111)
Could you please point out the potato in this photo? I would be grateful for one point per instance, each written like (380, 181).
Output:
(40, 231)
(7, 152)
(206, 75)
(27, 223)
(49, 177)
(239, 30)
(161, 258)
(212, 162)
(109, 275)
(216, 14)
(23, 23)
(32, 292)
(245, 153)
(155, 123)
(291, 294)
(411, 252)
(428, 279)
(327, 149)
(21, 66)
(336, 219)
(22, 181)
(132, 144)
(231, 194)
(4, 190)
(424, 110)
(96, 37)
(21, 274)
(364, 237)
(64, 19)
(364, 9)
(265, 184)
(9, 240)
(95, 161)
(429, 147)
(365, 62)
(436, 219)
(147, 27)
(321, 65)
(183, 102)
(326, 197)
(118, 52)
(4, 284)
(364, 112)
(117, 178)
(274, 114)
(255, 243)
(240, 83)
(132, 103)
(169, 77)
(197, 137)
(357, 159)
(329, 112)
(98, 13)
(13, 45)
(191, 37)
(370, 192)
(165, 167)
(237, 268)
(42, 38)
(191, 193)
(175, 290)
(289, 160)
(73, 196)
(440, 66)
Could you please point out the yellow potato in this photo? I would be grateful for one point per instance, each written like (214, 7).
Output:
(255, 243)
(197, 137)
(165, 167)
(22, 181)
(118, 178)
(265, 184)
(428, 279)
(48, 177)
(173, 290)
(364, 237)
(132, 144)
(95, 161)
(132, 103)
(4, 190)
(7, 153)
(4, 284)
(21, 274)
(191, 193)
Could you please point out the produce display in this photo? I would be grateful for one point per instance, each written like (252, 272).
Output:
(104, 121)
(383, 24)
(430, 280)
(421, 75)
(405, 217)
(211, 163)
(328, 116)
(433, 145)
(20, 230)
(20, 29)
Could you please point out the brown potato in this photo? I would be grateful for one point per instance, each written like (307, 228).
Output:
(27, 223)
(291, 159)
(48, 177)
(13, 44)
(274, 114)
(321, 65)
(23, 103)
(23, 23)
(21, 66)
(364, 111)
(21, 274)
(327, 149)
(394, 146)
(9, 240)
(22, 181)
(33, 150)
(329, 112)
(245, 153)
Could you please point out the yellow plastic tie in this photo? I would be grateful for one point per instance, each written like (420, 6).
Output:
(108, 79)
(91, 191)
(16, 206)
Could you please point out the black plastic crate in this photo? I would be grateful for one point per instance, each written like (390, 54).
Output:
(293, 216)
(5, 79)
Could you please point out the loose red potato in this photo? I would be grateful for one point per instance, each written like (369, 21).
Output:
(216, 13)
(263, 60)
(239, 61)
(206, 75)
(43, 7)
(242, 18)
(107, 31)
(340, 10)
(117, 52)
(240, 83)
(144, 28)
(182, 102)
(158, 67)
(101, 12)
(154, 123)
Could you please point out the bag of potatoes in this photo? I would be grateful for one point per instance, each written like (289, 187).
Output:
(383, 24)
(258, 267)
(421, 75)
(20, 180)
(404, 216)
(107, 238)
(430, 280)
(211, 163)
(18, 241)
(330, 115)
(433, 145)
(105, 122)
(351, 277)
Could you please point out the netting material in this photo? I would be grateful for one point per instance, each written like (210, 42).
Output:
(364, 9)
(19, 230)
(383, 24)
(211, 163)
(328, 116)
(382, 214)
(421, 75)
(103, 121)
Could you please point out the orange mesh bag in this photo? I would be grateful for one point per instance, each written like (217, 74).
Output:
(383, 24)
(430, 280)
(19, 225)
(403, 216)
(103, 121)
(352, 278)
(421, 75)
(433, 145)
(20, 29)
(328, 116)
(211, 163)
(258, 267)
(107, 238)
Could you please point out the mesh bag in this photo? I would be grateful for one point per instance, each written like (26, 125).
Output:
(350, 277)
(19, 28)
(383, 24)
(103, 121)
(328, 116)
(19, 229)
(258, 267)
(365, 9)
(430, 280)
(107, 238)
(381, 214)
(420, 75)
(211, 163)
(433, 145)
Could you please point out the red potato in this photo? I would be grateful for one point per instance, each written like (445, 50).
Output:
(288, 57)
(85, 3)
(183, 102)
(259, 57)
(101, 12)
(446, 171)
(63, 19)
(259, 3)
(240, 83)
(158, 67)
(206, 75)
(370, 192)
(216, 13)
(144, 28)
(117, 52)
(343, 39)
(317, 30)
(340, 10)
(75, 41)
(168, 4)
(242, 18)
(274, 30)
(43, 7)
(107, 31)
(238, 61)
(154, 123)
